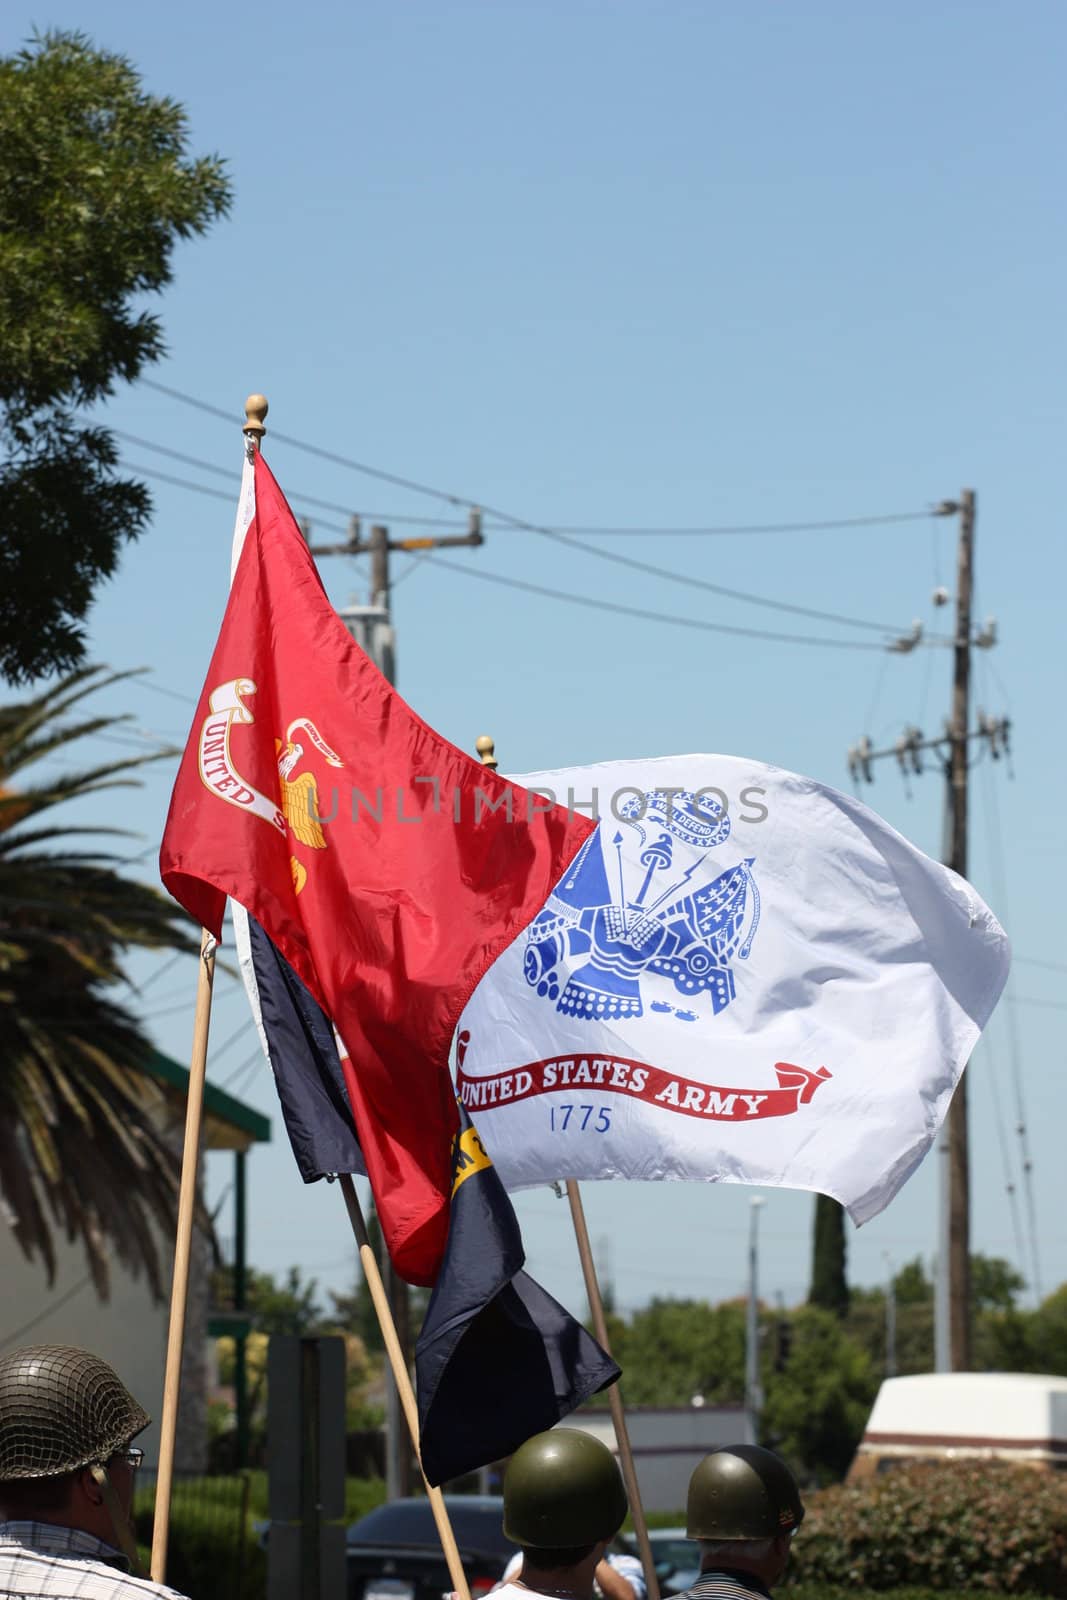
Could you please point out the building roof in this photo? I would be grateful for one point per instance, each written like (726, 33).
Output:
(228, 1123)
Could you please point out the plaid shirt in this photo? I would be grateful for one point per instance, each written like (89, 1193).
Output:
(42, 1561)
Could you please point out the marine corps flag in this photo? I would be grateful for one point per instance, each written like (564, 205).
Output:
(387, 867)
(497, 1359)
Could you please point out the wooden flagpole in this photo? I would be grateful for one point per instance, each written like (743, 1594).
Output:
(618, 1415)
(486, 749)
(182, 1251)
(402, 1378)
(255, 411)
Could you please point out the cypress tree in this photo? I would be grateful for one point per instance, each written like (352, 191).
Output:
(829, 1283)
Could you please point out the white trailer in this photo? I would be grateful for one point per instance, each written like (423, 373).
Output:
(1006, 1416)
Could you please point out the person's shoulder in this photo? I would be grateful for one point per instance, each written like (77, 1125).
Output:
(624, 1563)
(630, 1568)
(129, 1586)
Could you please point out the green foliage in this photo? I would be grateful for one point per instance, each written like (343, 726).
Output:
(817, 1401)
(361, 1495)
(816, 1408)
(355, 1313)
(911, 1285)
(291, 1307)
(995, 1284)
(675, 1349)
(1048, 1333)
(80, 1146)
(212, 1551)
(828, 1591)
(829, 1282)
(96, 188)
(944, 1526)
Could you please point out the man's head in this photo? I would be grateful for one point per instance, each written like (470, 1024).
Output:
(563, 1499)
(66, 1426)
(744, 1508)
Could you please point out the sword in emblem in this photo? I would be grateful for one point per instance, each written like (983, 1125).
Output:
(617, 841)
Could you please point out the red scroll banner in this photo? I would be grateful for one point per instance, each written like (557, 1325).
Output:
(637, 1079)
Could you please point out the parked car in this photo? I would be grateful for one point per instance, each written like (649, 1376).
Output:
(393, 1553)
(677, 1558)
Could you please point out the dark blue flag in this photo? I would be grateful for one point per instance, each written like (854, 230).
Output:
(497, 1359)
(303, 1055)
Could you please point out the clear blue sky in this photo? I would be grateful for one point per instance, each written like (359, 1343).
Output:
(676, 265)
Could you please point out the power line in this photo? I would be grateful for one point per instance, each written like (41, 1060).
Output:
(651, 569)
(593, 531)
(304, 499)
(1005, 1158)
(559, 536)
(206, 489)
(996, 852)
(217, 1050)
(171, 694)
(50, 1307)
(589, 530)
(648, 616)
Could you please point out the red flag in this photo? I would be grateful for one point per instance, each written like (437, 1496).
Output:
(389, 868)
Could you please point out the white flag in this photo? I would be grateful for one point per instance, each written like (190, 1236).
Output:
(744, 976)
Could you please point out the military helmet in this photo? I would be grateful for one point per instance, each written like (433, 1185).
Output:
(562, 1489)
(742, 1492)
(61, 1409)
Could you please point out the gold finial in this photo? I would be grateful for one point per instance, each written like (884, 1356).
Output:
(256, 409)
(486, 747)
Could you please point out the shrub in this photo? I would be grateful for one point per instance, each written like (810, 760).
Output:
(212, 1552)
(939, 1525)
(820, 1591)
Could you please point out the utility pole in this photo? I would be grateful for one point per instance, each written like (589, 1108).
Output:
(953, 1287)
(959, 1180)
(372, 628)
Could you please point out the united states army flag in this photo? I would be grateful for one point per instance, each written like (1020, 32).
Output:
(742, 976)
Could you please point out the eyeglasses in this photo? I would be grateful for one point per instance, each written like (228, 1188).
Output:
(131, 1457)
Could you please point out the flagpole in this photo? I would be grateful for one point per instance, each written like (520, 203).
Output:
(255, 412)
(486, 749)
(401, 1378)
(618, 1415)
(182, 1252)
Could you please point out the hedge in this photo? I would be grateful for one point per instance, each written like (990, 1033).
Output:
(212, 1552)
(822, 1591)
(984, 1526)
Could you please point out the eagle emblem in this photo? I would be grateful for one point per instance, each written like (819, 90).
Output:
(641, 916)
(300, 793)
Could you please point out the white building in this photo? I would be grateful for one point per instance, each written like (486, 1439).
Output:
(129, 1329)
(667, 1443)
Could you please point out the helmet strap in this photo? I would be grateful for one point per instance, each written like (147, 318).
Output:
(119, 1521)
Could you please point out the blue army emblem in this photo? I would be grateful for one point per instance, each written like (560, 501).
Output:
(640, 910)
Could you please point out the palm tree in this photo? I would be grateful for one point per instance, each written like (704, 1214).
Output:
(80, 1150)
